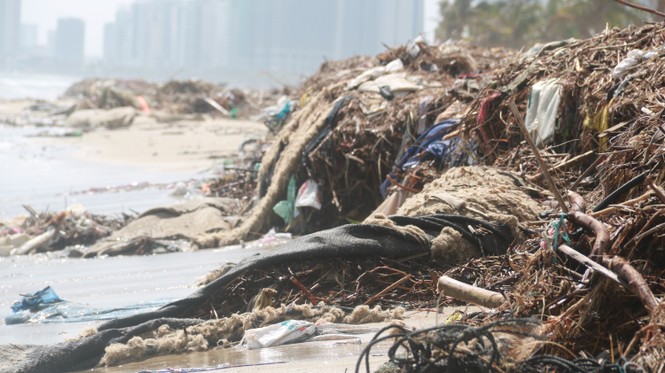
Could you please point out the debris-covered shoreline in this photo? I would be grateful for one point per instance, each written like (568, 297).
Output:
(424, 150)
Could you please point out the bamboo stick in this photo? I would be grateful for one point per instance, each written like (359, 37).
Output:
(469, 293)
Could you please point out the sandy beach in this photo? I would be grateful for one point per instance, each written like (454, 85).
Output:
(178, 146)
(49, 171)
(158, 141)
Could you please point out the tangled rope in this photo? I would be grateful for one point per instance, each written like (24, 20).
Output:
(464, 348)
(452, 347)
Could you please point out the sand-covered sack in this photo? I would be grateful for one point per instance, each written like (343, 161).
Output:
(488, 194)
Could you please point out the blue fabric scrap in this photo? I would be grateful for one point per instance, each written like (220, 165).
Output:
(429, 145)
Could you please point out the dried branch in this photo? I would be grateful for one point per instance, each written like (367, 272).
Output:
(388, 289)
(641, 7)
(543, 167)
(581, 258)
(658, 190)
(635, 281)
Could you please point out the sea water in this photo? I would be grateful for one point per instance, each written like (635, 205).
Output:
(15, 85)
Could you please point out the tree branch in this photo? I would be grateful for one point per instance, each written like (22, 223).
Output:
(641, 7)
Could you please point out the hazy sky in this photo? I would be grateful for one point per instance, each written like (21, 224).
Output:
(96, 13)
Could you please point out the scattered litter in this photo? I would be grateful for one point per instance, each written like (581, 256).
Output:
(45, 306)
(285, 332)
(308, 195)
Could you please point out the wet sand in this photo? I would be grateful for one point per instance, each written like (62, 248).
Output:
(113, 171)
(103, 283)
(180, 146)
(325, 356)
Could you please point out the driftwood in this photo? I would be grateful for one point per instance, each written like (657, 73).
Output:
(469, 293)
(38, 242)
(635, 281)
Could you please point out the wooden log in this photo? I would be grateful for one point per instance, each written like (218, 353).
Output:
(469, 293)
(36, 243)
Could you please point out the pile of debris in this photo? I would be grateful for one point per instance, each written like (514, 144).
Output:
(575, 282)
(69, 230)
(595, 108)
(172, 97)
(351, 125)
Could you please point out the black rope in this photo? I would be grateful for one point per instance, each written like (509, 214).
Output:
(540, 363)
(620, 190)
(436, 349)
(482, 348)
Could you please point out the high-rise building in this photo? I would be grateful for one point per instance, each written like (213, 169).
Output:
(29, 34)
(119, 40)
(10, 30)
(69, 42)
(293, 36)
(215, 33)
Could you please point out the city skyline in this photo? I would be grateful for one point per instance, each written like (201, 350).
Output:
(44, 15)
(284, 35)
(212, 39)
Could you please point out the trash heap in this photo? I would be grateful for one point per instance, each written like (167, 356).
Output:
(172, 97)
(594, 108)
(69, 229)
(574, 284)
(351, 124)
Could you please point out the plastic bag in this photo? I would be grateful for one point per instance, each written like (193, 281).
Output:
(633, 57)
(285, 209)
(289, 331)
(308, 195)
(542, 110)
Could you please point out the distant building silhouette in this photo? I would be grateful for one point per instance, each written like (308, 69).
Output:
(10, 31)
(29, 36)
(69, 42)
(276, 35)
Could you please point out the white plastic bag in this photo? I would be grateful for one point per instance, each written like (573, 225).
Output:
(542, 110)
(289, 331)
(308, 195)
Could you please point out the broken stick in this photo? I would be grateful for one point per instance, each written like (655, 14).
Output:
(543, 167)
(561, 165)
(469, 293)
(581, 258)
